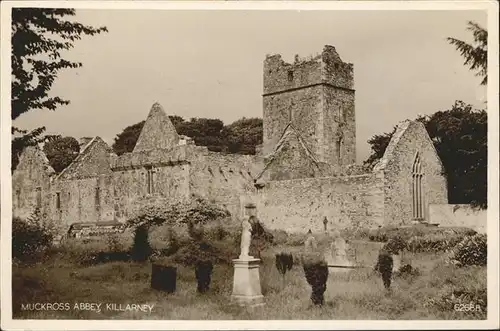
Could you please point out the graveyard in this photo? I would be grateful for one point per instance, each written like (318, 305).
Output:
(95, 278)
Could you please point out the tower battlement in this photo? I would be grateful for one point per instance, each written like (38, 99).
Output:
(325, 68)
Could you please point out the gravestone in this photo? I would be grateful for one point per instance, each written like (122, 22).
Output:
(310, 243)
(163, 278)
(246, 281)
(396, 264)
(337, 257)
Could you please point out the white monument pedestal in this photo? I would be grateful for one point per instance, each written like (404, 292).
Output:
(246, 282)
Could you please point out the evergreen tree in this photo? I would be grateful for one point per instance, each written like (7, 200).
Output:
(475, 55)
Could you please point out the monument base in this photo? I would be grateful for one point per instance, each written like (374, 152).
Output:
(246, 282)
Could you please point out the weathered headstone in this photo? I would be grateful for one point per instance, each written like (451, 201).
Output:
(338, 259)
(246, 282)
(396, 258)
(310, 243)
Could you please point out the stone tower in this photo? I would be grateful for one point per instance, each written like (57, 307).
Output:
(316, 96)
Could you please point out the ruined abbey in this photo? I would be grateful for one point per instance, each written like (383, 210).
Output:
(304, 172)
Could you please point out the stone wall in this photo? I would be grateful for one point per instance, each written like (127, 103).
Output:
(301, 204)
(31, 183)
(335, 71)
(223, 178)
(303, 107)
(339, 125)
(280, 76)
(396, 166)
(93, 161)
(292, 159)
(82, 200)
(459, 215)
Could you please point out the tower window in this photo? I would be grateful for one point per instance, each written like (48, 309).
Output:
(39, 197)
(290, 75)
(150, 181)
(97, 198)
(18, 198)
(58, 201)
(340, 142)
(417, 174)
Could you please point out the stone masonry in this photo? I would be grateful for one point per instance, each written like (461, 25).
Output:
(305, 170)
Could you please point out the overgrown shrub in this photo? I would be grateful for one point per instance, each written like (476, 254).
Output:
(434, 242)
(284, 262)
(197, 211)
(203, 273)
(30, 238)
(384, 266)
(316, 272)
(113, 243)
(421, 238)
(472, 250)
(141, 249)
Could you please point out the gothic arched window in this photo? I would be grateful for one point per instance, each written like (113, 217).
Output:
(417, 174)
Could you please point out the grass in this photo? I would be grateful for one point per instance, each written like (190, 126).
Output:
(357, 294)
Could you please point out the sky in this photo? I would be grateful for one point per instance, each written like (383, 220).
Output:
(209, 64)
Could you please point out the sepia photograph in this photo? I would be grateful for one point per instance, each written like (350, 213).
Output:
(222, 161)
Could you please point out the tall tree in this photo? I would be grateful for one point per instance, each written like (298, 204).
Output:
(125, 141)
(379, 143)
(39, 36)
(244, 135)
(61, 151)
(476, 54)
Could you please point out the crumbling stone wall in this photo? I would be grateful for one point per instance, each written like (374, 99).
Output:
(93, 161)
(81, 192)
(339, 127)
(31, 183)
(303, 107)
(140, 175)
(396, 168)
(301, 204)
(82, 200)
(223, 178)
(459, 215)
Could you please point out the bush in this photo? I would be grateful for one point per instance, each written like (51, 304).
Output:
(434, 242)
(284, 262)
(141, 249)
(197, 211)
(113, 243)
(203, 273)
(316, 273)
(421, 238)
(384, 267)
(30, 239)
(472, 250)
